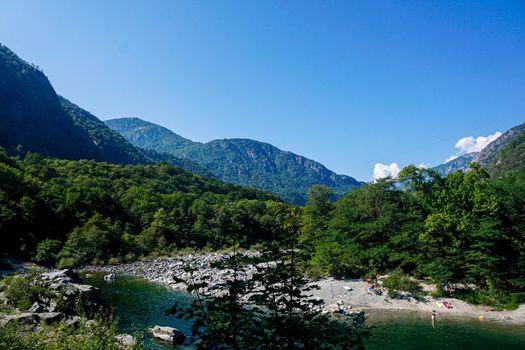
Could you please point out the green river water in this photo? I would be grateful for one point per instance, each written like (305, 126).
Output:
(139, 304)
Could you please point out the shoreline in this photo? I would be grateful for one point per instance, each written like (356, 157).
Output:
(339, 296)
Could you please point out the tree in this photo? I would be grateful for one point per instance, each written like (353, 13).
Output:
(316, 213)
(272, 310)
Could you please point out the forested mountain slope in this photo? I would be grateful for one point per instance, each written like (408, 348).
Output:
(34, 118)
(31, 114)
(489, 154)
(95, 211)
(240, 161)
(147, 135)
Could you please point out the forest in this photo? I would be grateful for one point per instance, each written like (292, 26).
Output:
(460, 228)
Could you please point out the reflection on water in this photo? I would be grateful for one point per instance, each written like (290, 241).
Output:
(139, 304)
(409, 331)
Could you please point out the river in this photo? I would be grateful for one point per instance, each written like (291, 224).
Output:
(139, 304)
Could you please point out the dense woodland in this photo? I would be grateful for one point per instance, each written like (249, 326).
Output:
(240, 161)
(80, 212)
(464, 227)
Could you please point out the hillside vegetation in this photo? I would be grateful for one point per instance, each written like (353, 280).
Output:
(240, 161)
(79, 212)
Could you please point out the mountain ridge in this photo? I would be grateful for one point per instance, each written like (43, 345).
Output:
(242, 161)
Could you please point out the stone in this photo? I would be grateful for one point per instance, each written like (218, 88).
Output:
(126, 340)
(53, 305)
(110, 277)
(50, 317)
(36, 307)
(335, 309)
(25, 318)
(61, 274)
(168, 334)
(73, 322)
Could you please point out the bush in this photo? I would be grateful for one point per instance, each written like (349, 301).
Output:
(98, 334)
(498, 299)
(47, 252)
(67, 263)
(23, 290)
(397, 281)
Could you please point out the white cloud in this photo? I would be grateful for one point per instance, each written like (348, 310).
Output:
(471, 144)
(423, 166)
(385, 170)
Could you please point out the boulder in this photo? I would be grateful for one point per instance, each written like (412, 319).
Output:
(50, 317)
(73, 322)
(111, 277)
(126, 340)
(25, 318)
(168, 334)
(61, 274)
(36, 307)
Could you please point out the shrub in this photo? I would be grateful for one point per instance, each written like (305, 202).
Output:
(97, 334)
(47, 252)
(67, 263)
(397, 281)
(498, 299)
(23, 290)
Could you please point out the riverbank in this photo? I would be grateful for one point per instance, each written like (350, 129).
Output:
(338, 295)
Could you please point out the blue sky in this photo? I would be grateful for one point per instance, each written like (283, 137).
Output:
(347, 83)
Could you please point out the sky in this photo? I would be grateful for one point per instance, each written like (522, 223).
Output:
(364, 87)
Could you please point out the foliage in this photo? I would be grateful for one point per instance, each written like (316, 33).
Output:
(270, 311)
(33, 118)
(398, 281)
(97, 334)
(240, 161)
(511, 158)
(495, 297)
(47, 251)
(23, 290)
(464, 227)
(99, 211)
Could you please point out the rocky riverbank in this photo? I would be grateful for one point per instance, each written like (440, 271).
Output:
(58, 297)
(339, 296)
(53, 304)
(198, 268)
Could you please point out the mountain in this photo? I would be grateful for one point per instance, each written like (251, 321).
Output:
(34, 118)
(240, 161)
(156, 157)
(460, 163)
(31, 114)
(111, 146)
(489, 154)
(501, 157)
(147, 135)
(510, 154)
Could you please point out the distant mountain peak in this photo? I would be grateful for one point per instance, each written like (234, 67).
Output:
(460, 163)
(238, 160)
(140, 133)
